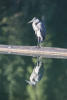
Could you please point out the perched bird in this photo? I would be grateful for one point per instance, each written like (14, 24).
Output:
(36, 75)
(39, 28)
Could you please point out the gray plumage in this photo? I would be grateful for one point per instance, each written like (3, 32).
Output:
(36, 74)
(39, 28)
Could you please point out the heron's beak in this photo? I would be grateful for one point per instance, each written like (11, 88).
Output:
(30, 21)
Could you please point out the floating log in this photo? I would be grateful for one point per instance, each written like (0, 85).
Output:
(47, 52)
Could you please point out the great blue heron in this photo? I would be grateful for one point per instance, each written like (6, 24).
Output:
(39, 28)
(37, 74)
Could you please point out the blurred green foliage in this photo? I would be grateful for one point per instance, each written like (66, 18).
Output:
(14, 30)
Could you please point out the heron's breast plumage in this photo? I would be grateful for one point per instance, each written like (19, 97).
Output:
(36, 28)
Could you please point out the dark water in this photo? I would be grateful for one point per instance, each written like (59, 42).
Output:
(14, 30)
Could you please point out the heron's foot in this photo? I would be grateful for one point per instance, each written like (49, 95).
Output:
(38, 46)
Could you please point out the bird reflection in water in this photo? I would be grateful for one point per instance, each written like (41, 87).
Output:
(37, 73)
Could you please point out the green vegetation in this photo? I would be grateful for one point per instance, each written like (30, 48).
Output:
(14, 30)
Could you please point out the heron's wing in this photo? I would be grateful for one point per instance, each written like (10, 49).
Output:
(42, 29)
(41, 72)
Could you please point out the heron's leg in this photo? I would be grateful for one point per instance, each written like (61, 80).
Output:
(38, 42)
(39, 60)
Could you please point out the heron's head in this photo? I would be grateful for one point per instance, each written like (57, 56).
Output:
(33, 20)
(30, 83)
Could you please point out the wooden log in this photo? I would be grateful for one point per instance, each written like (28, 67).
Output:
(47, 52)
